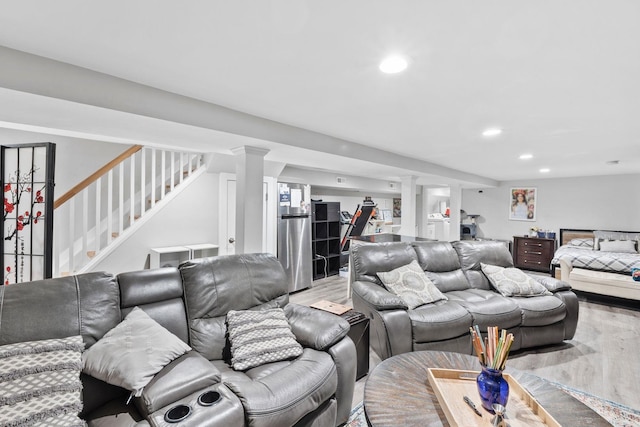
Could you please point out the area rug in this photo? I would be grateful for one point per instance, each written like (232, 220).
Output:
(618, 415)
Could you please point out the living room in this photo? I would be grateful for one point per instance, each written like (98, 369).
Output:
(227, 76)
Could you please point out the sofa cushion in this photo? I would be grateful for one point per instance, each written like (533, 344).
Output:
(40, 382)
(512, 281)
(541, 311)
(130, 354)
(259, 337)
(488, 308)
(86, 304)
(367, 259)
(411, 284)
(214, 286)
(471, 253)
(281, 393)
(441, 264)
(439, 321)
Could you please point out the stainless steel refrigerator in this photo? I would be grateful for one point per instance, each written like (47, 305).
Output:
(294, 234)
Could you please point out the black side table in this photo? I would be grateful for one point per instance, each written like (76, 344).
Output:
(359, 334)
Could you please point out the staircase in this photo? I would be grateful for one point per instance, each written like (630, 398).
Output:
(97, 215)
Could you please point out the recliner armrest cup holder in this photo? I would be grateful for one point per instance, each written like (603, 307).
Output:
(177, 413)
(209, 398)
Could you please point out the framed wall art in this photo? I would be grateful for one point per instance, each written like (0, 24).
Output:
(522, 204)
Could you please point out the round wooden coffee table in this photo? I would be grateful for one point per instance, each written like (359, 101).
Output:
(398, 393)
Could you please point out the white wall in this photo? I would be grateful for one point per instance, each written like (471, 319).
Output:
(191, 218)
(76, 158)
(599, 202)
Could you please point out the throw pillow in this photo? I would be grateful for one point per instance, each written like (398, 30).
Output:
(40, 382)
(626, 246)
(513, 282)
(130, 354)
(411, 284)
(260, 336)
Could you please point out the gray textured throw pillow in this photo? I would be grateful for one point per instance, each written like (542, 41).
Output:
(411, 284)
(513, 282)
(40, 383)
(260, 336)
(130, 354)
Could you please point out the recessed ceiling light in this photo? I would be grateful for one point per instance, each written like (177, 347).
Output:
(393, 64)
(526, 156)
(544, 170)
(492, 132)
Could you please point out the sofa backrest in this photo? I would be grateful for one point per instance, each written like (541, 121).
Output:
(160, 294)
(367, 259)
(85, 304)
(473, 252)
(215, 285)
(441, 264)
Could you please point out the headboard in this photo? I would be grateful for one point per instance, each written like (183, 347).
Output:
(566, 234)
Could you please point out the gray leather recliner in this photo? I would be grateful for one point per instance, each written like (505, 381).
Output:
(444, 325)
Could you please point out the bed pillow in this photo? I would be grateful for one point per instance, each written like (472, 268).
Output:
(130, 354)
(411, 284)
(602, 235)
(260, 336)
(513, 282)
(626, 246)
(582, 243)
(40, 382)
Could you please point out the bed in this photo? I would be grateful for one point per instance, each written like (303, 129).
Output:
(599, 261)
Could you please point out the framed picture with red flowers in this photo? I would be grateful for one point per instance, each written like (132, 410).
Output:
(26, 177)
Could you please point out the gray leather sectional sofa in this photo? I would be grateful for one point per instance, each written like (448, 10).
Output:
(314, 389)
(444, 325)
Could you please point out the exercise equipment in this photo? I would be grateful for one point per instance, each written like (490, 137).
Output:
(358, 222)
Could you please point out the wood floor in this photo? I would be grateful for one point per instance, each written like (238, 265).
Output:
(602, 359)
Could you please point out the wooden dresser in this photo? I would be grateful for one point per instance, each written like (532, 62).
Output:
(533, 253)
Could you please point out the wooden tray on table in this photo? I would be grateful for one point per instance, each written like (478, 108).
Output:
(451, 385)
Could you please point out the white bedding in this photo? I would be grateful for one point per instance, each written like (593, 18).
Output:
(587, 258)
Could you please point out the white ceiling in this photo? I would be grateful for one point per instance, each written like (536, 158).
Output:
(560, 78)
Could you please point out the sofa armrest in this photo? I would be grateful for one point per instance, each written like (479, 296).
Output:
(552, 284)
(315, 328)
(378, 297)
(185, 375)
(346, 358)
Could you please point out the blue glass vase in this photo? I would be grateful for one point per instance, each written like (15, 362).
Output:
(492, 387)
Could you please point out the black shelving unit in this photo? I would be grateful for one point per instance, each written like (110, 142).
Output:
(325, 239)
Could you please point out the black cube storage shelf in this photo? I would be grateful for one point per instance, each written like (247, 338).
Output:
(325, 238)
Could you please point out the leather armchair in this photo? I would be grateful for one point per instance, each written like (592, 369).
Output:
(314, 389)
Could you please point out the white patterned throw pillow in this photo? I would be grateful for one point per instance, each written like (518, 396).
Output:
(411, 284)
(260, 336)
(513, 282)
(40, 383)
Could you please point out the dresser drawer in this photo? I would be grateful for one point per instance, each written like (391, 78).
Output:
(533, 253)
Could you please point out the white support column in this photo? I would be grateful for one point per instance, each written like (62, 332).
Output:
(408, 209)
(424, 218)
(455, 204)
(249, 203)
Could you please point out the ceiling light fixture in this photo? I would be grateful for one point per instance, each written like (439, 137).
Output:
(545, 170)
(526, 156)
(393, 64)
(492, 132)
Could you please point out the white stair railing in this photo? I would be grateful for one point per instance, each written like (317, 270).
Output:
(106, 206)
